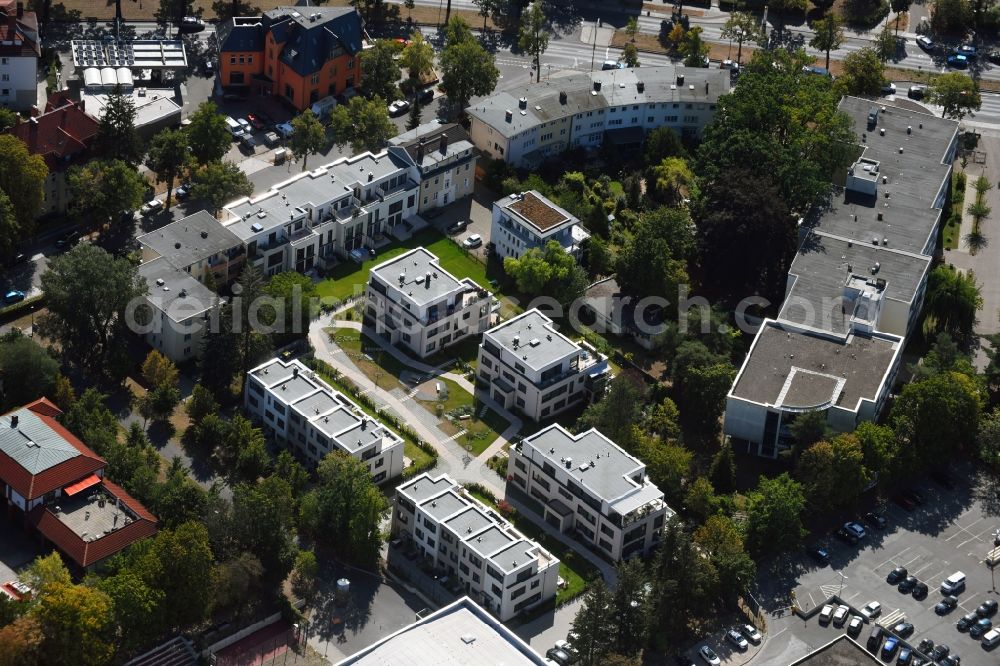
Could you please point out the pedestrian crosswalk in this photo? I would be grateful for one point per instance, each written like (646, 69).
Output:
(893, 618)
(456, 436)
(411, 394)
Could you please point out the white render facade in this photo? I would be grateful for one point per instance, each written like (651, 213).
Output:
(414, 303)
(314, 419)
(498, 567)
(527, 220)
(527, 365)
(591, 487)
(327, 213)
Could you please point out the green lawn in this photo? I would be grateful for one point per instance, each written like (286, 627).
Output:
(384, 369)
(480, 432)
(349, 278)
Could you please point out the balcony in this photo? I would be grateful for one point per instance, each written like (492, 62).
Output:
(350, 211)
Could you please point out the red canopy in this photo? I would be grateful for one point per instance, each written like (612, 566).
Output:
(73, 489)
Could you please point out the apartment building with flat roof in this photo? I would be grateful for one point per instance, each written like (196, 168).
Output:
(527, 220)
(498, 566)
(414, 303)
(590, 487)
(527, 365)
(313, 419)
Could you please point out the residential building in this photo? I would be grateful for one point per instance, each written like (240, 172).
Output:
(526, 124)
(527, 365)
(179, 260)
(57, 487)
(62, 136)
(500, 569)
(855, 287)
(301, 54)
(20, 49)
(590, 487)
(606, 309)
(333, 212)
(439, 157)
(416, 304)
(314, 419)
(527, 220)
(459, 634)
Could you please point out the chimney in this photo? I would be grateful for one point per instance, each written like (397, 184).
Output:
(427, 281)
(522, 103)
(680, 79)
(295, 371)
(562, 96)
(13, 421)
(371, 176)
(420, 152)
(640, 86)
(508, 115)
(706, 87)
(444, 144)
(597, 86)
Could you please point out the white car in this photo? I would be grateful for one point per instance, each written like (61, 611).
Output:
(854, 626)
(708, 656)
(398, 108)
(244, 125)
(751, 633)
(474, 240)
(872, 610)
(151, 206)
(736, 638)
(826, 614)
(840, 616)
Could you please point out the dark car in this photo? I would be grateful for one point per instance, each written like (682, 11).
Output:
(987, 609)
(68, 241)
(457, 227)
(907, 584)
(968, 50)
(875, 638)
(560, 656)
(846, 536)
(919, 591)
(256, 121)
(183, 191)
(981, 627)
(914, 495)
(820, 555)
(905, 657)
(426, 95)
(966, 622)
(13, 296)
(940, 652)
(876, 520)
(903, 630)
(943, 479)
(958, 61)
(905, 502)
(896, 575)
(950, 660)
(926, 646)
(946, 605)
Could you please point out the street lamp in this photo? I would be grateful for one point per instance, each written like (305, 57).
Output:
(842, 579)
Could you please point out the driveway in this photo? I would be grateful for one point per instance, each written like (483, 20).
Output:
(17, 549)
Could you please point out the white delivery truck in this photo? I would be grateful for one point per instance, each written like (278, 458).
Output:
(323, 107)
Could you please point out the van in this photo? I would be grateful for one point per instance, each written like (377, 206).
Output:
(875, 639)
(234, 127)
(324, 107)
(954, 583)
(991, 639)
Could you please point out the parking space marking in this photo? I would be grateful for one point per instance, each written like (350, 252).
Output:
(850, 598)
(811, 600)
(893, 558)
(964, 529)
(892, 618)
(917, 571)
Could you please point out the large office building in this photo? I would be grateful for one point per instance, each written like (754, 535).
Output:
(314, 419)
(415, 304)
(327, 213)
(527, 220)
(524, 125)
(527, 365)
(302, 53)
(497, 565)
(441, 158)
(855, 287)
(57, 487)
(591, 487)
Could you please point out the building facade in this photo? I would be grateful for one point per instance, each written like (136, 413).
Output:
(527, 220)
(313, 419)
(528, 124)
(439, 157)
(525, 364)
(20, 49)
(498, 567)
(591, 487)
(301, 54)
(414, 303)
(325, 214)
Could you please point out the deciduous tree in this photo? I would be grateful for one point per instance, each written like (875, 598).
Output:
(309, 136)
(105, 190)
(219, 182)
(828, 35)
(774, 515)
(533, 37)
(742, 27)
(417, 57)
(208, 134)
(168, 154)
(833, 473)
(380, 70)
(78, 625)
(22, 180)
(116, 135)
(467, 70)
(694, 48)
(956, 93)
(862, 73)
(29, 372)
(938, 415)
(654, 260)
(953, 299)
(362, 123)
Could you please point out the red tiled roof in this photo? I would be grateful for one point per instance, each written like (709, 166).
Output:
(129, 501)
(32, 486)
(58, 135)
(14, 28)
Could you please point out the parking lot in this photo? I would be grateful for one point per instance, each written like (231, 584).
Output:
(952, 531)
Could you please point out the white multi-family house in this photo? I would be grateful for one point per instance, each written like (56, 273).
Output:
(497, 565)
(314, 419)
(414, 303)
(527, 365)
(439, 157)
(527, 220)
(526, 124)
(590, 486)
(335, 211)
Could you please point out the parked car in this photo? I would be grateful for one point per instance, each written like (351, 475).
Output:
(958, 61)
(563, 644)
(474, 240)
(917, 92)
(925, 646)
(946, 605)
(68, 240)
(612, 64)
(981, 627)
(889, 647)
(244, 125)
(896, 575)
(708, 656)
(457, 227)
(854, 626)
(561, 657)
(991, 639)
(826, 614)
(398, 108)
(192, 24)
(271, 139)
(967, 50)
(846, 536)
(875, 638)
(943, 479)
(284, 129)
(905, 502)
(840, 616)
(820, 555)
(915, 496)
(13, 296)
(987, 609)
(151, 206)
(920, 591)
(939, 652)
(993, 57)
(966, 621)
(856, 528)
(905, 657)
(925, 42)
(876, 520)
(737, 639)
(953, 584)
(183, 191)
(871, 610)
(950, 660)
(903, 630)
(255, 121)
(751, 633)
(426, 95)
(888, 88)
(907, 584)
(247, 141)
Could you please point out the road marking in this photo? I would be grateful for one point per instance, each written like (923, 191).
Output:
(853, 595)
(893, 558)
(917, 571)
(892, 618)
(811, 600)
(907, 564)
(456, 436)
(829, 590)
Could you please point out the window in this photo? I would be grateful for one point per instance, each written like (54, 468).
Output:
(350, 64)
(242, 60)
(4, 61)
(314, 79)
(5, 77)
(476, 578)
(232, 60)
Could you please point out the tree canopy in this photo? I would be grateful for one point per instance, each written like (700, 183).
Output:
(116, 135)
(217, 183)
(956, 93)
(209, 136)
(467, 70)
(104, 190)
(862, 73)
(309, 136)
(362, 123)
(774, 515)
(380, 69)
(533, 37)
(551, 271)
